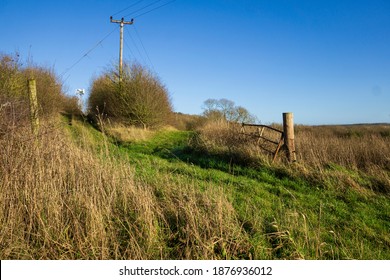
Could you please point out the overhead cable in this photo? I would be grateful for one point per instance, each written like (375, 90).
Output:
(143, 46)
(147, 12)
(89, 51)
(132, 5)
(136, 47)
(147, 6)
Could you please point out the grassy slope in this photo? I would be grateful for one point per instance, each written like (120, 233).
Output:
(284, 215)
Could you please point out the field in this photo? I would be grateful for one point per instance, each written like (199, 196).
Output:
(125, 193)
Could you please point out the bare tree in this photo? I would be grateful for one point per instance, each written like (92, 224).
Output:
(224, 109)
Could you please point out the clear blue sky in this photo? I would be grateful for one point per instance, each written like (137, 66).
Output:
(327, 61)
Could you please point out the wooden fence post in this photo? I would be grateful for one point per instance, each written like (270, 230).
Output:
(32, 92)
(288, 128)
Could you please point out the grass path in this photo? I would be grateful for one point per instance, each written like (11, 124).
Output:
(285, 217)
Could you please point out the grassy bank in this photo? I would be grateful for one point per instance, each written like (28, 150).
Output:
(81, 194)
(72, 194)
(330, 213)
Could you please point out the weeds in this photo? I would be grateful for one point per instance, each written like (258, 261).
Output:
(60, 201)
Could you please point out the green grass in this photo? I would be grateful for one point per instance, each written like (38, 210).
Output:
(284, 215)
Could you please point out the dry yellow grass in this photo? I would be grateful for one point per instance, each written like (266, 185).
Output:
(60, 201)
(355, 147)
(129, 133)
(356, 155)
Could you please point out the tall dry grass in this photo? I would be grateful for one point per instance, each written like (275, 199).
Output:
(355, 147)
(358, 155)
(224, 139)
(128, 134)
(60, 201)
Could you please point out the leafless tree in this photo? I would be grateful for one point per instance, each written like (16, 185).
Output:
(224, 109)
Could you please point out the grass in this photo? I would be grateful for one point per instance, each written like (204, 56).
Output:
(81, 194)
(77, 200)
(284, 214)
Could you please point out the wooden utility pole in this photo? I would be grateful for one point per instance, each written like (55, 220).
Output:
(122, 22)
(288, 129)
(32, 92)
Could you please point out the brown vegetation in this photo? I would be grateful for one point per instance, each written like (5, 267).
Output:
(361, 149)
(186, 122)
(13, 90)
(60, 201)
(322, 151)
(139, 99)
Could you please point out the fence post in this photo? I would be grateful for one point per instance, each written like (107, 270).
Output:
(288, 129)
(32, 92)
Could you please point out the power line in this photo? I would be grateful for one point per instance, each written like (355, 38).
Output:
(131, 51)
(132, 5)
(147, 12)
(129, 48)
(105, 37)
(88, 52)
(136, 46)
(132, 13)
(143, 46)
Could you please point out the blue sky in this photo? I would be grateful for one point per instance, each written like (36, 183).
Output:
(326, 61)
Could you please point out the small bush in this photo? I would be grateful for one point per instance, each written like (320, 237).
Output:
(71, 106)
(140, 99)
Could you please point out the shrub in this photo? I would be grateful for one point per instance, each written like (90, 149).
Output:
(71, 106)
(140, 99)
(49, 89)
(101, 100)
(14, 97)
(11, 78)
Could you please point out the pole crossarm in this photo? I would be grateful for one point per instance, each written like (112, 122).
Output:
(122, 21)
